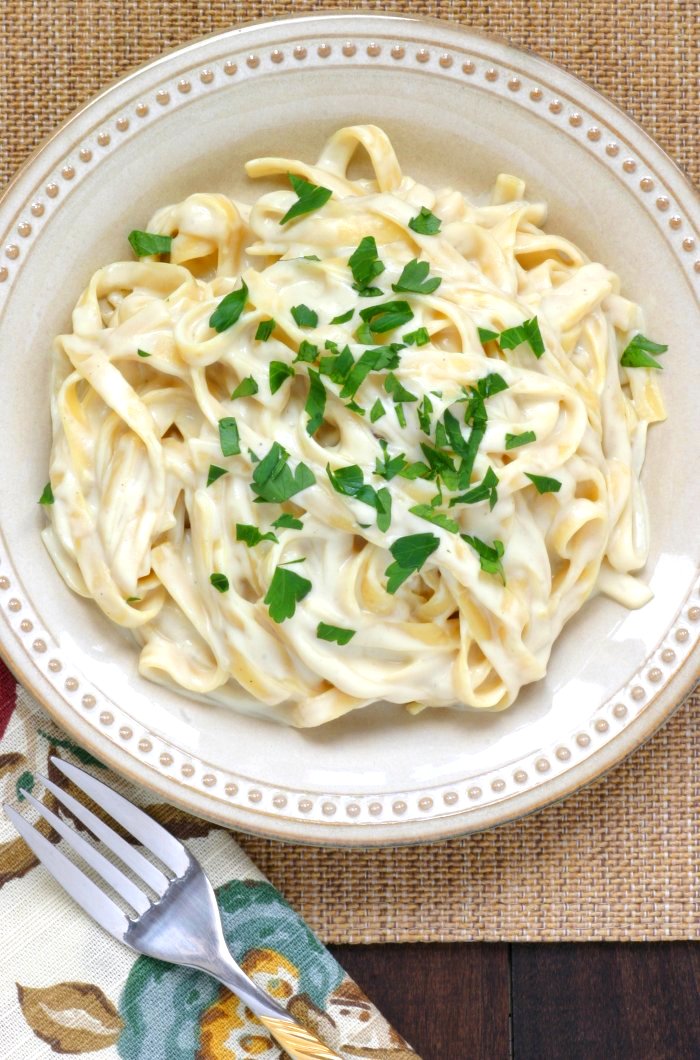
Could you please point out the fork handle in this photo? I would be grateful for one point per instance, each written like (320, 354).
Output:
(298, 1043)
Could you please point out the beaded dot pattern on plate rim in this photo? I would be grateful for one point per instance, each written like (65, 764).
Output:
(181, 89)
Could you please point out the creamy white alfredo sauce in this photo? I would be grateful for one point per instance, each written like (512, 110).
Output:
(405, 444)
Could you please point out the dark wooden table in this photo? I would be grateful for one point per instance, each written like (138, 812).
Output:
(495, 1001)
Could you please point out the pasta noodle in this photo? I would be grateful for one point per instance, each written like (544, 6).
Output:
(399, 570)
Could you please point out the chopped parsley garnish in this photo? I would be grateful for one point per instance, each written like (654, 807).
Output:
(215, 473)
(142, 353)
(246, 388)
(416, 470)
(354, 407)
(491, 384)
(364, 335)
(219, 581)
(337, 367)
(424, 412)
(486, 335)
(47, 496)
(228, 436)
(343, 317)
(388, 467)
(287, 588)
(528, 331)
(365, 265)
(485, 491)
(544, 484)
(489, 556)
(307, 352)
(251, 535)
(133, 600)
(513, 441)
(426, 511)
(377, 411)
(273, 480)
(288, 522)
(386, 316)
(410, 553)
(310, 197)
(337, 634)
(349, 482)
(279, 371)
(145, 243)
(441, 439)
(637, 351)
(397, 390)
(265, 329)
(305, 317)
(438, 460)
(413, 279)
(425, 223)
(229, 309)
(419, 337)
(375, 360)
(315, 402)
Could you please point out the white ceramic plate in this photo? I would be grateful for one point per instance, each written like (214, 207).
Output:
(460, 108)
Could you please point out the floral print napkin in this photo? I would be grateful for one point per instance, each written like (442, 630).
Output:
(67, 987)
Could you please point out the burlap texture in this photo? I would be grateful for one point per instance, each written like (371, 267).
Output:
(620, 860)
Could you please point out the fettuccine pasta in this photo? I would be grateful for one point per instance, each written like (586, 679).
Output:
(359, 441)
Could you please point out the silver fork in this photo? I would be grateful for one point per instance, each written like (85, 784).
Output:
(183, 926)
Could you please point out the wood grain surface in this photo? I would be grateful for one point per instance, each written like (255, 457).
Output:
(495, 1001)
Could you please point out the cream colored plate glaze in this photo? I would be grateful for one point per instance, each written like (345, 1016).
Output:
(460, 108)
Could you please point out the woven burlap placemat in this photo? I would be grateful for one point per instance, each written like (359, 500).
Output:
(621, 859)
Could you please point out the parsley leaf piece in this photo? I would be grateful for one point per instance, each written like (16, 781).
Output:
(364, 335)
(228, 436)
(310, 257)
(252, 536)
(389, 467)
(425, 223)
(419, 337)
(145, 243)
(304, 317)
(354, 407)
(426, 511)
(337, 634)
(486, 335)
(279, 371)
(310, 197)
(142, 353)
(133, 600)
(377, 411)
(337, 367)
(273, 480)
(315, 402)
(365, 264)
(400, 415)
(385, 316)
(346, 480)
(398, 391)
(438, 459)
(491, 384)
(215, 472)
(287, 588)
(416, 470)
(374, 360)
(288, 522)
(254, 458)
(264, 330)
(413, 278)
(246, 388)
(330, 345)
(441, 439)
(424, 412)
(219, 581)
(544, 484)
(307, 352)
(636, 353)
(485, 491)
(47, 496)
(528, 331)
(368, 292)
(343, 317)
(229, 309)
(383, 509)
(489, 556)
(410, 553)
(513, 441)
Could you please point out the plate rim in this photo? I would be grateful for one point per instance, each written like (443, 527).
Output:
(336, 833)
